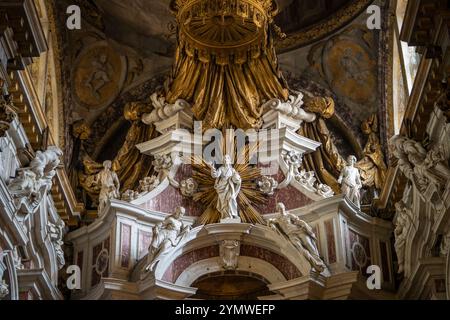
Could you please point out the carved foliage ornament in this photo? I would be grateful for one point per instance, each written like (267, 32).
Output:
(146, 185)
(56, 234)
(307, 179)
(229, 254)
(188, 187)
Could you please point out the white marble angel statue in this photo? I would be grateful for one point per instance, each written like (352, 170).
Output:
(350, 181)
(300, 234)
(228, 186)
(166, 235)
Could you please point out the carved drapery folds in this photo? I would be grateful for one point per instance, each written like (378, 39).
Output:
(109, 184)
(372, 167)
(326, 162)
(350, 181)
(226, 78)
(403, 224)
(31, 183)
(247, 198)
(129, 164)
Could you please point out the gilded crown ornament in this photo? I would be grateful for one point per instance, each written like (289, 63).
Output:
(224, 30)
(226, 65)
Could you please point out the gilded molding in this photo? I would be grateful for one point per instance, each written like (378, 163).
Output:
(322, 29)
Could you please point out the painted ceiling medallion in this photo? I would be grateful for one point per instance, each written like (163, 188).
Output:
(99, 76)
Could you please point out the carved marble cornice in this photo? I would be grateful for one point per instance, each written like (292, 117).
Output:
(427, 26)
(420, 25)
(22, 37)
(26, 36)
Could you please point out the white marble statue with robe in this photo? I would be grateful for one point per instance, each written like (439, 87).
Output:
(227, 186)
(350, 181)
(109, 185)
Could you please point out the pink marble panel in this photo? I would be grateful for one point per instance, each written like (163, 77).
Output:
(287, 268)
(170, 199)
(183, 262)
(365, 243)
(291, 197)
(144, 241)
(331, 241)
(125, 246)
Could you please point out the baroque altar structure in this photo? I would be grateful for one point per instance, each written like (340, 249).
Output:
(237, 149)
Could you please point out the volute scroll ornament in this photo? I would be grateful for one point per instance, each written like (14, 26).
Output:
(293, 108)
(162, 109)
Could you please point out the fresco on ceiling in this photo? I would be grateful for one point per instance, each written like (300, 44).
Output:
(345, 64)
(297, 14)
